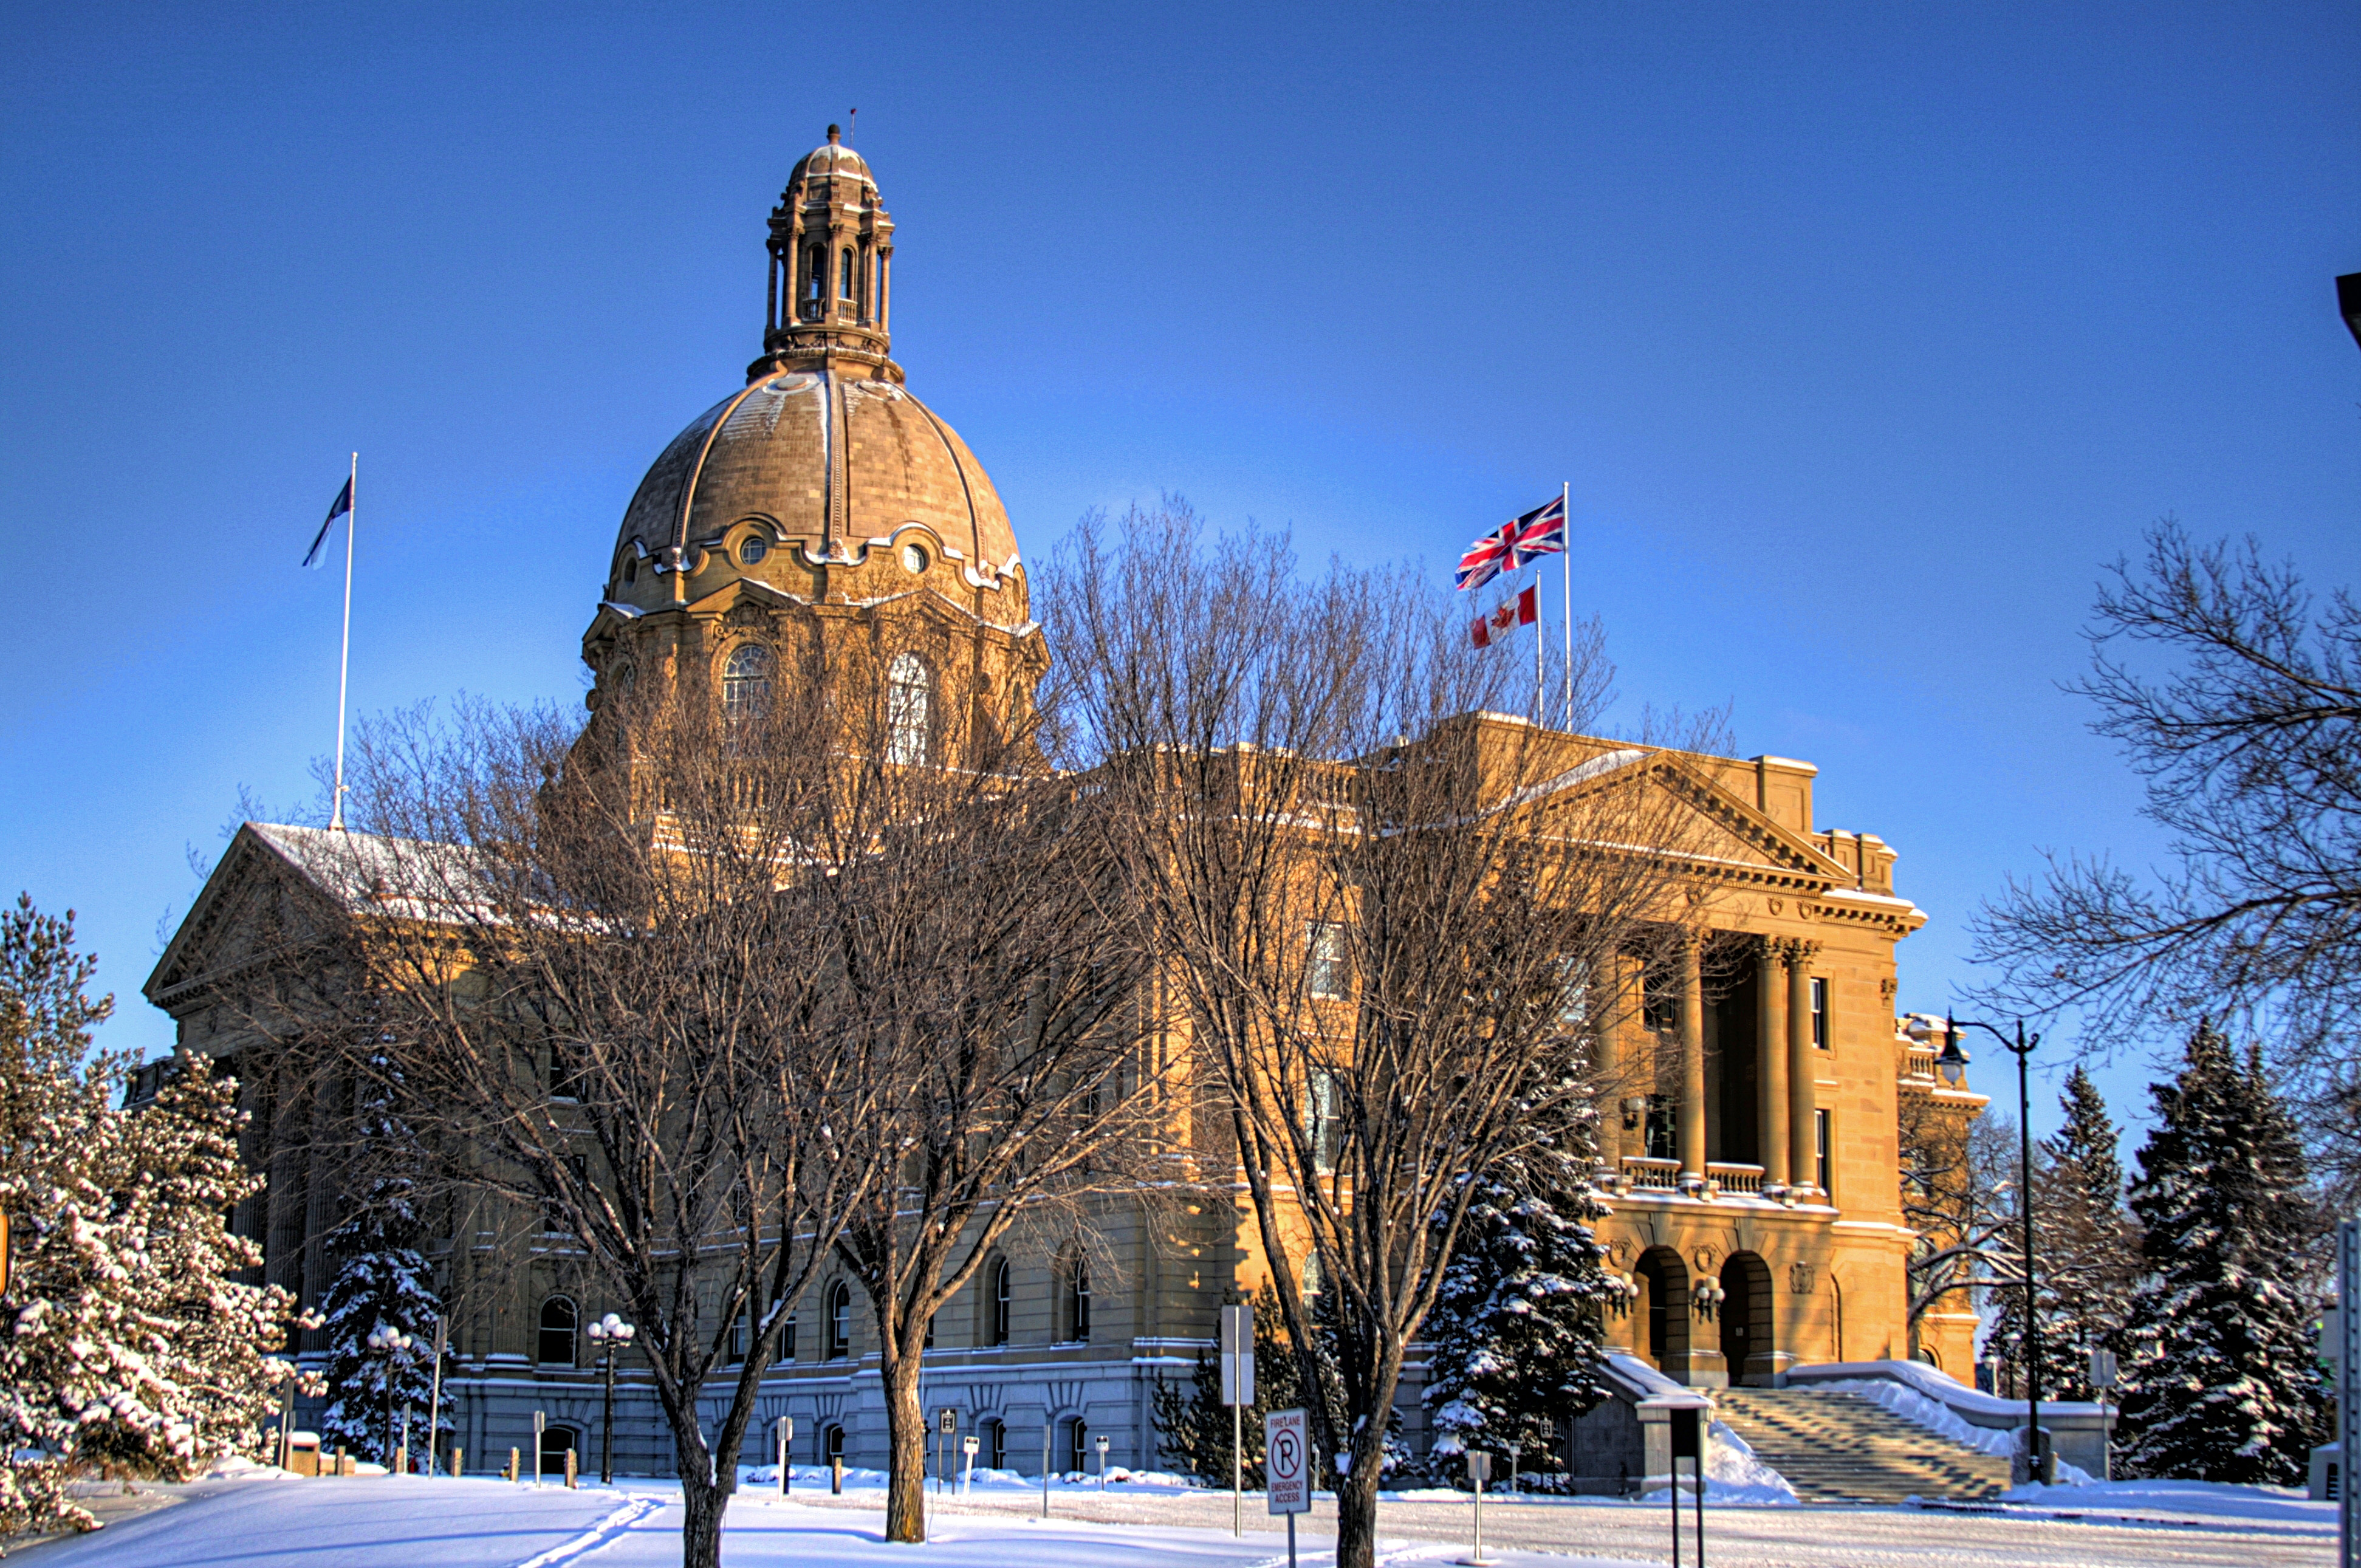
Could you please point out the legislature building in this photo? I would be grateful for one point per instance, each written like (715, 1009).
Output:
(1752, 1164)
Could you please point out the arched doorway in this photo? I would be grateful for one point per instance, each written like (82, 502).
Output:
(1663, 1309)
(556, 1442)
(1747, 1340)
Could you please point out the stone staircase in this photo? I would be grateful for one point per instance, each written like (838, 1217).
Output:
(1836, 1447)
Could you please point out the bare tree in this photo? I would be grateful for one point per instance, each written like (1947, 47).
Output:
(1394, 914)
(597, 960)
(987, 957)
(1958, 1195)
(2250, 747)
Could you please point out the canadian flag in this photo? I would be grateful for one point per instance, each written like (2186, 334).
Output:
(1522, 610)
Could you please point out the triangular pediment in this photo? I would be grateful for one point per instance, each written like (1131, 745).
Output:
(258, 902)
(1721, 834)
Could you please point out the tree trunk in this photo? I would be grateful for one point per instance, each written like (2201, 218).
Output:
(1356, 1505)
(700, 1535)
(905, 1470)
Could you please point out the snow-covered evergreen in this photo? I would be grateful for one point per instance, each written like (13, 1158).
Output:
(381, 1281)
(2088, 1259)
(1515, 1334)
(2222, 1382)
(132, 1346)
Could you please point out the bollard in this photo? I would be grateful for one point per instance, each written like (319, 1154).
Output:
(344, 1462)
(401, 1460)
(570, 1476)
(516, 1466)
(458, 1460)
(836, 1474)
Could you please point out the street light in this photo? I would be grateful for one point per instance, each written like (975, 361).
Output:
(388, 1342)
(610, 1334)
(2040, 1465)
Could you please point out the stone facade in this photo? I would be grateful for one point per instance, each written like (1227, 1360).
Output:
(1751, 1140)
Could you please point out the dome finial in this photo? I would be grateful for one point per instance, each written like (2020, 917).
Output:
(835, 134)
(831, 254)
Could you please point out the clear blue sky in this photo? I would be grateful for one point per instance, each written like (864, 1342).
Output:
(1863, 334)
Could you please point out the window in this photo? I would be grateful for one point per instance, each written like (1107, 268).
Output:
(995, 1444)
(1002, 1296)
(1324, 966)
(1819, 1013)
(1822, 1144)
(844, 274)
(737, 1337)
(751, 551)
(839, 1322)
(556, 1340)
(556, 1442)
(746, 681)
(1082, 1446)
(831, 1444)
(914, 558)
(1659, 1000)
(1664, 1127)
(787, 1341)
(565, 1069)
(1320, 1119)
(1311, 1279)
(906, 709)
(812, 270)
(1078, 1300)
(554, 1218)
(1574, 994)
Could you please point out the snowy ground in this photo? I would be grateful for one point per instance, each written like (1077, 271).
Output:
(410, 1523)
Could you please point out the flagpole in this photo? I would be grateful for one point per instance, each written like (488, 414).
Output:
(1541, 641)
(1565, 560)
(345, 656)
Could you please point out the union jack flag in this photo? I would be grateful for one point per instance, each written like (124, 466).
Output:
(1540, 532)
(1485, 558)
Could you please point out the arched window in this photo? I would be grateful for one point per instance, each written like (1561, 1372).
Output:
(1078, 1299)
(556, 1442)
(746, 681)
(995, 1444)
(1003, 1296)
(839, 1322)
(814, 267)
(844, 274)
(1080, 1448)
(831, 1444)
(558, 1318)
(907, 695)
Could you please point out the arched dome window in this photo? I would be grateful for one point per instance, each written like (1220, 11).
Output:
(906, 699)
(746, 681)
(845, 274)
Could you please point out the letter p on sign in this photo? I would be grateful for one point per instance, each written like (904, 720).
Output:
(1287, 1462)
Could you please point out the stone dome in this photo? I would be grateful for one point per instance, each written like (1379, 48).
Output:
(833, 462)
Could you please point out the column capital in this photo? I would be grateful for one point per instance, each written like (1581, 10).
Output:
(1795, 951)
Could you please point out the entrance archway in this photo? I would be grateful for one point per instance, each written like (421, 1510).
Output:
(1663, 1309)
(1747, 1337)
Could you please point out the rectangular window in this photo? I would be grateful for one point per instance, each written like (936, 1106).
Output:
(564, 1070)
(1822, 1150)
(787, 1341)
(1320, 1120)
(1574, 995)
(1819, 1013)
(1659, 1000)
(1664, 1127)
(1325, 965)
(738, 1340)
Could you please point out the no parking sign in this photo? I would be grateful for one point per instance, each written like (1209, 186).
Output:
(1287, 1462)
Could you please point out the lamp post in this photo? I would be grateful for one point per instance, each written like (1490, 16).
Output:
(388, 1342)
(610, 1334)
(2037, 1462)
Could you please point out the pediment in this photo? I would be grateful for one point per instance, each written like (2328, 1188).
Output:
(1719, 833)
(257, 903)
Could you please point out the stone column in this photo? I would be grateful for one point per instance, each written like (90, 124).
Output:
(1692, 1128)
(1607, 1022)
(1771, 1061)
(1802, 1098)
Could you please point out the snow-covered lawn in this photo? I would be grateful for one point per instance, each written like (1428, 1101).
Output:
(377, 1522)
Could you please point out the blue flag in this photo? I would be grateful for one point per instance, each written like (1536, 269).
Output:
(344, 504)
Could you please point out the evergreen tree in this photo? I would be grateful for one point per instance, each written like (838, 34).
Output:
(2088, 1250)
(381, 1281)
(1516, 1335)
(132, 1346)
(1194, 1429)
(2222, 1383)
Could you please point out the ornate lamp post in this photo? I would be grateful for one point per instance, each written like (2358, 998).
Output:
(388, 1342)
(610, 1334)
(2039, 1464)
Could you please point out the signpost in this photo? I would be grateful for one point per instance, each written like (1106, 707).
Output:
(2103, 1373)
(1237, 1393)
(1101, 1440)
(786, 1463)
(1287, 1468)
(540, 1425)
(1688, 1442)
(2348, 1390)
(1480, 1470)
(945, 1425)
(968, 1445)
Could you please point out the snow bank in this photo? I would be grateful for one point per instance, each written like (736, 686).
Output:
(1732, 1475)
(2181, 1500)
(815, 1477)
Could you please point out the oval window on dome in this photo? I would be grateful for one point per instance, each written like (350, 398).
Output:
(752, 550)
(914, 558)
